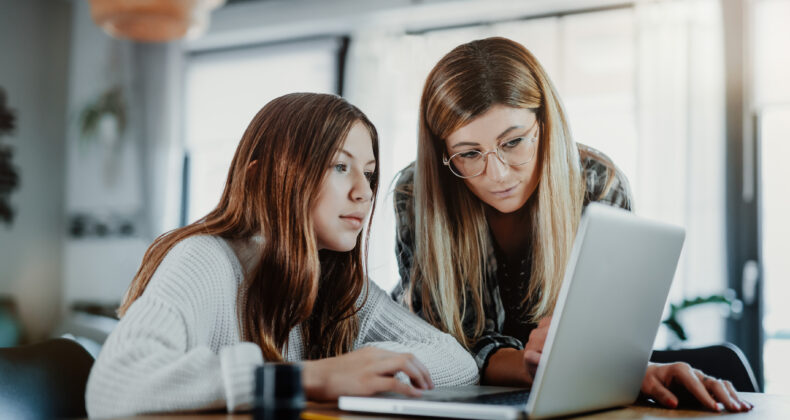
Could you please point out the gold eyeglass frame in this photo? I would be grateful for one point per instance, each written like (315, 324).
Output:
(446, 160)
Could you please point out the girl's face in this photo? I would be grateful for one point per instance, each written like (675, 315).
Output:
(502, 186)
(345, 195)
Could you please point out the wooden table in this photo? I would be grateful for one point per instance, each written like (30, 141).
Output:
(766, 407)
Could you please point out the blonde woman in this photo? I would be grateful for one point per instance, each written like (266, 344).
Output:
(274, 273)
(488, 212)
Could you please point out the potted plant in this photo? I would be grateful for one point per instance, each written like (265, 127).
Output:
(104, 118)
(730, 304)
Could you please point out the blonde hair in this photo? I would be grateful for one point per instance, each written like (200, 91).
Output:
(451, 233)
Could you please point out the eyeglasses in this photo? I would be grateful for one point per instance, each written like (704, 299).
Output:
(471, 163)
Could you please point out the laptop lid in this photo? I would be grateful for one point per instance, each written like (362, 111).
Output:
(607, 314)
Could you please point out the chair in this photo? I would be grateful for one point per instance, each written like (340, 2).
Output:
(44, 380)
(725, 361)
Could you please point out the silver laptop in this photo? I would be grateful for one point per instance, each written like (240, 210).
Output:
(600, 338)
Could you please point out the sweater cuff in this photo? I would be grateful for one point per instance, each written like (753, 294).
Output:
(238, 363)
(487, 346)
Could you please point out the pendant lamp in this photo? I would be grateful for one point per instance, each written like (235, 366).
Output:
(153, 20)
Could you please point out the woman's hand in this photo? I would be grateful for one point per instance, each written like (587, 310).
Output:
(714, 394)
(514, 367)
(534, 347)
(363, 372)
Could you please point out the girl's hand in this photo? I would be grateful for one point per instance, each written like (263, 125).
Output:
(714, 394)
(534, 347)
(364, 372)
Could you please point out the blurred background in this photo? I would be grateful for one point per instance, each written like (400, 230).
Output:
(108, 140)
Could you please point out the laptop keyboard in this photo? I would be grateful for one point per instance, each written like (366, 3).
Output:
(501, 398)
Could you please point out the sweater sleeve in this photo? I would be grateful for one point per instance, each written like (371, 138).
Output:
(389, 326)
(159, 359)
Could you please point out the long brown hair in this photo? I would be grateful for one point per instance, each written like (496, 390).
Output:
(272, 184)
(451, 232)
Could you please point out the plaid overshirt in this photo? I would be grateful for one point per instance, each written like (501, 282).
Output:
(596, 172)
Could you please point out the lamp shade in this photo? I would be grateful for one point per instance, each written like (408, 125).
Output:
(151, 20)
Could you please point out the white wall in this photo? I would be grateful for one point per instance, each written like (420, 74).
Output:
(34, 54)
(104, 178)
(276, 20)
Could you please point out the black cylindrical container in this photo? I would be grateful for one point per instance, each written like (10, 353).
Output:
(278, 392)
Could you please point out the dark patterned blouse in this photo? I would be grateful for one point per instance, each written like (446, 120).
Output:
(506, 323)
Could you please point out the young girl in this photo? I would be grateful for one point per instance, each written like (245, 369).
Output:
(488, 213)
(274, 273)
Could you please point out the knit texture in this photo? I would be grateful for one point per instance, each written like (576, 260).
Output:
(178, 347)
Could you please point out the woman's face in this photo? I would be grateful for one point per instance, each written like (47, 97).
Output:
(345, 195)
(502, 186)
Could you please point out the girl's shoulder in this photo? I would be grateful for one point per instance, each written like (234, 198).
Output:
(372, 303)
(603, 180)
(203, 250)
(201, 263)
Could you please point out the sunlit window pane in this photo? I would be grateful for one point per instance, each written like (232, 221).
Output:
(775, 207)
(225, 90)
(771, 56)
(772, 100)
(599, 76)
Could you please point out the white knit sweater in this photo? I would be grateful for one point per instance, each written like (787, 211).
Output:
(178, 346)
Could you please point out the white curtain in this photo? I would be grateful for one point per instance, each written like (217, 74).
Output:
(681, 161)
(771, 103)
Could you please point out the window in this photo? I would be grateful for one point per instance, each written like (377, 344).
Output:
(225, 89)
(772, 105)
(775, 226)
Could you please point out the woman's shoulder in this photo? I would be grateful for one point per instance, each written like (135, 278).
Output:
(404, 180)
(603, 181)
(403, 196)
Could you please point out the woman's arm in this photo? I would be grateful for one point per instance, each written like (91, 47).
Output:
(506, 367)
(389, 326)
(514, 367)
